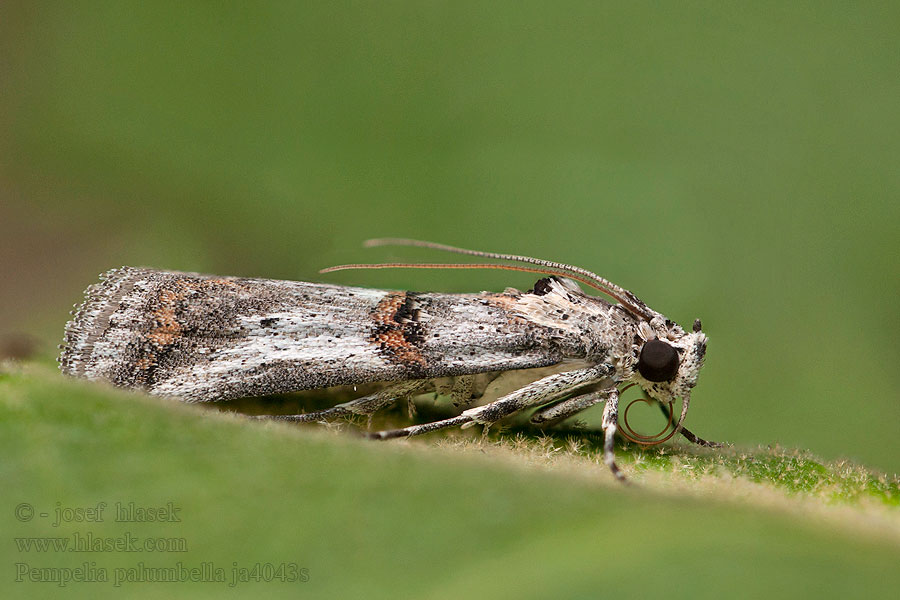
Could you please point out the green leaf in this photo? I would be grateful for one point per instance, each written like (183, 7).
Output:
(511, 515)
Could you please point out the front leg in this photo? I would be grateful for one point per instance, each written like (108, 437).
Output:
(553, 415)
(610, 425)
(536, 392)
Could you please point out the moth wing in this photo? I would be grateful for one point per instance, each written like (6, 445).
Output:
(202, 337)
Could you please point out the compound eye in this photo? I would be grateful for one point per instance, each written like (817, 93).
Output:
(658, 361)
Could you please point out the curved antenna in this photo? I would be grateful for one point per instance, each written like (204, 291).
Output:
(623, 296)
(543, 271)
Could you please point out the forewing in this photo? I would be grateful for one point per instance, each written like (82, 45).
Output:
(202, 337)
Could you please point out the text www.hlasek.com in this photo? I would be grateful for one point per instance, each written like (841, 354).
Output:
(88, 542)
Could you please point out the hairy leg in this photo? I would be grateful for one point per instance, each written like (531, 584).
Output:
(610, 425)
(366, 405)
(537, 392)
(557, 413)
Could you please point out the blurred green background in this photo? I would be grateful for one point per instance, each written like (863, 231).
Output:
(734, 162)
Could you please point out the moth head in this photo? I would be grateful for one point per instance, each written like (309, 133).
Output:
(668, 360)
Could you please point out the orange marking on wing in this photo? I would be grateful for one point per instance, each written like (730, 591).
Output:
(167, 328)
(389, 332)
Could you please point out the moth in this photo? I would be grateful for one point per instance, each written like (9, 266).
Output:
(202, 338)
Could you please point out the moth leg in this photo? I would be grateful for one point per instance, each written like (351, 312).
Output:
(538, 392)
(418, 429)
(542, 390)
(610, 425)
(694, 439)
(565, 409)
(461, 392)
(366, 405)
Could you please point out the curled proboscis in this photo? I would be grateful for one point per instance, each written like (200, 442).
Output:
(647, 440)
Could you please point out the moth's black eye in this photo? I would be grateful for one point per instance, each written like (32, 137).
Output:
(658, 361)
